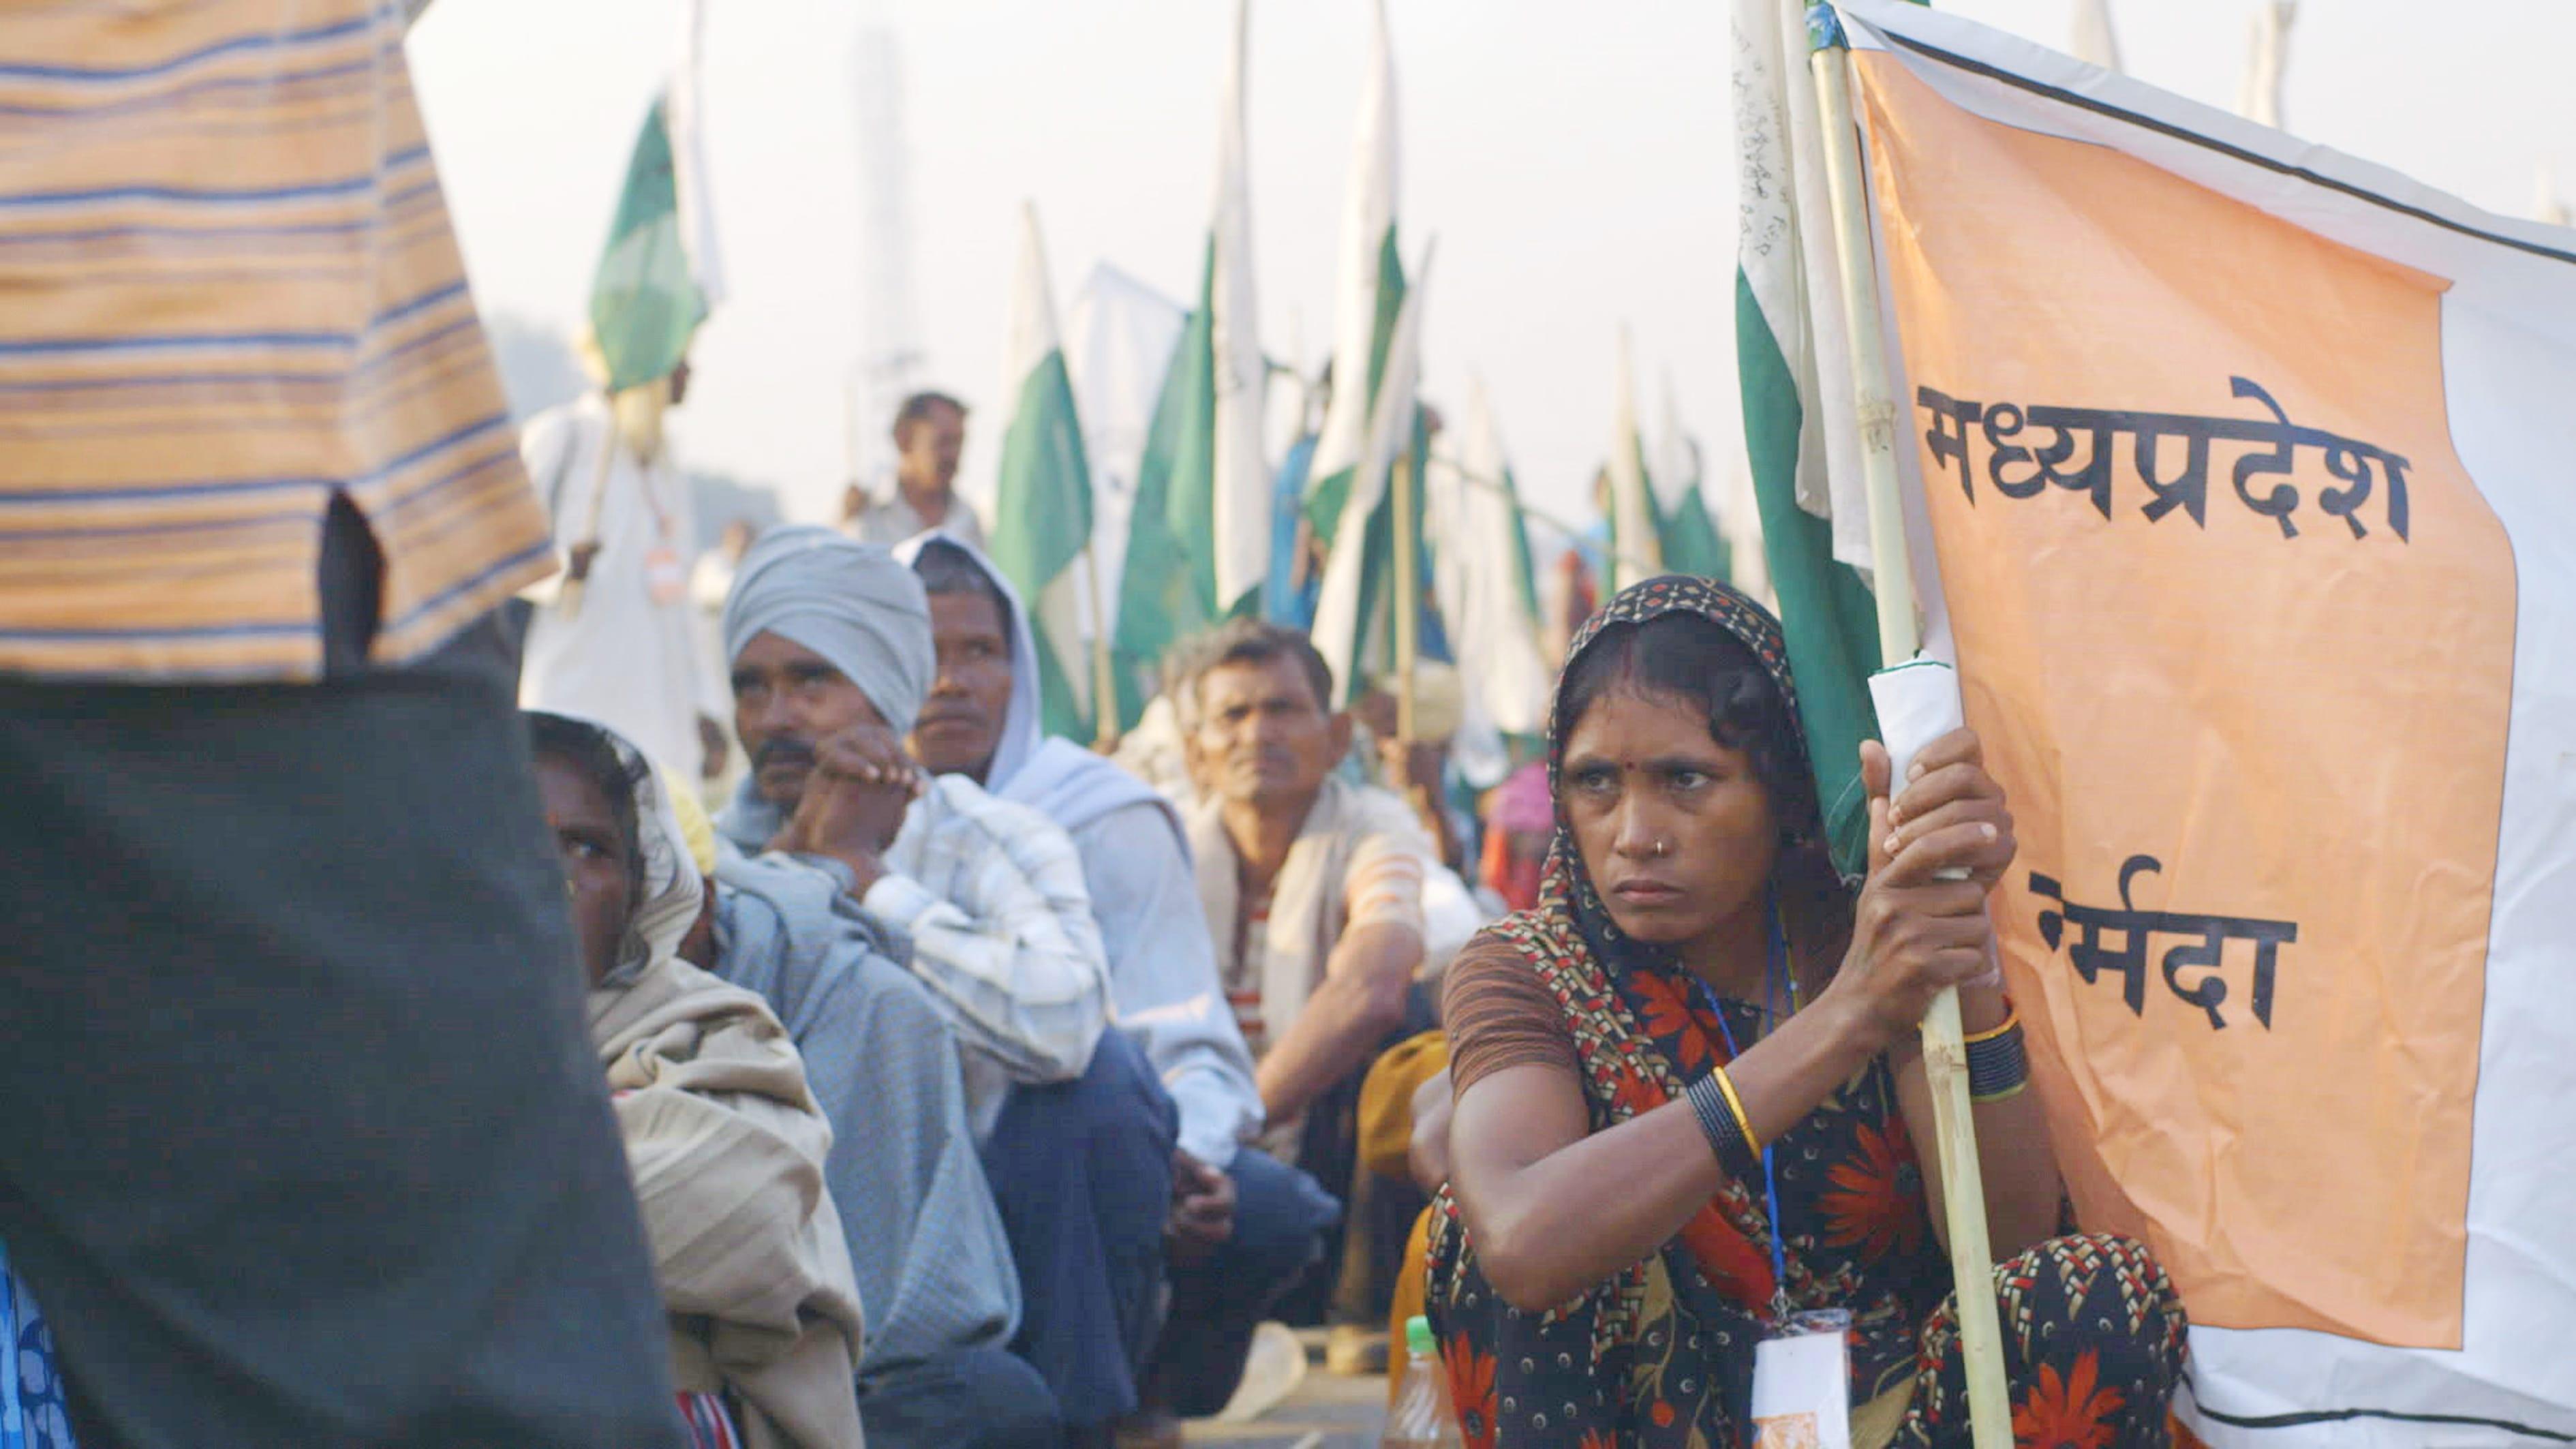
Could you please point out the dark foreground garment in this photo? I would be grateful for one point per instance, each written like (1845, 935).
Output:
(305, 1142)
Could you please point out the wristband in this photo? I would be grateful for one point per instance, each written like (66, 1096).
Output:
(1998, 1064)
(1721, 1119)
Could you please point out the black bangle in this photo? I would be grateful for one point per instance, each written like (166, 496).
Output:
(1998, 1065)
(1724, 1129)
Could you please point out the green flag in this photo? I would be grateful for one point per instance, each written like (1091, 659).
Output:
(1636, 524)
(1691, 542)
(644, 304)
(1042, 505)
(1158, 597)
(1198, 546)
(1797, 404)
(1355, 610)
(1370, 292)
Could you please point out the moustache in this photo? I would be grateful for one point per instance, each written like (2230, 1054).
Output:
(783, 751)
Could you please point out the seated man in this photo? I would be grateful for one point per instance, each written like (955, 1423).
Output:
(933, 1264)
(831, 655)
(724, 1140)
(1312, 888)
(1243, 1225)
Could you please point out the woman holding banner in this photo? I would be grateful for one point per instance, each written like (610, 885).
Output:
(1702, 1031)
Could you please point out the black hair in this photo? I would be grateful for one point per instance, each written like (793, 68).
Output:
(591, 752)
(918, 408)
(1254, 641)
(1694, 658)
(948, 571)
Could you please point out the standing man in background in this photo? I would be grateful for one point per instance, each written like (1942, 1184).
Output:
(929, 435)
(616, 638)
(306, 1144)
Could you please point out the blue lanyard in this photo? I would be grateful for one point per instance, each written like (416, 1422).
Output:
(1777, 984)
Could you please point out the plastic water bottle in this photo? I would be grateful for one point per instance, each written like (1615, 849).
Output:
(1422, 1417)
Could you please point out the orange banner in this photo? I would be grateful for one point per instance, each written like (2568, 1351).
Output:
(2238, 632)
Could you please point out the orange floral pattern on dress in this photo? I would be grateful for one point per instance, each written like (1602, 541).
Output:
(2073, 1412)
(1471, 1391)
(1665, 1012)
(1876, 1201)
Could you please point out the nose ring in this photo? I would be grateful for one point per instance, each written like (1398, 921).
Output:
(1663, 848)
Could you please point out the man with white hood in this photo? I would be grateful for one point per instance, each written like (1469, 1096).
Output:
(1243, 1225)
(830, 643)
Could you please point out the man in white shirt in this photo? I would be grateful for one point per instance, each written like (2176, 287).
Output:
(929, 437)
(1243, 1224)
(831, 649)
(616, 638)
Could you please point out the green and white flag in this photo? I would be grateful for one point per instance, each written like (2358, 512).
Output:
(1198, 542)
(689, 174)
(644, 300)
(1636, 524)
(1370, 294)
(1801, 436)
(1482, 573)
(1238, 475)
(1355, 609)
(1042, 503)
(1692, 542)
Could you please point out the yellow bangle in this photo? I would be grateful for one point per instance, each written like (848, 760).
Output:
(1735, 1104)
(2012, 1018)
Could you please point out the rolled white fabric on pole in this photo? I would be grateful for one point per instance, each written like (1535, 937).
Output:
(1918, 702)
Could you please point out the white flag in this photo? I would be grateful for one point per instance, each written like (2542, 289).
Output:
(1242, 482)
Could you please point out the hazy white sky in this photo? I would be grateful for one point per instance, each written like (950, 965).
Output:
(1575, 161)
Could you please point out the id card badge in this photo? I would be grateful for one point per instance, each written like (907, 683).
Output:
(665, 577)
(1802, 1384)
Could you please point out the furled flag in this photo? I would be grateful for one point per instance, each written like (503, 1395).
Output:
(1355, 613)
(1482, 572)
(688, 117)
(1800, 434)
(1042, 499)
(1371, 293)
(2259, 558)
(1636, 524)
(1691, 542)
(2094, 42)
(1198, 546)
(2259, 96)
(644, 301)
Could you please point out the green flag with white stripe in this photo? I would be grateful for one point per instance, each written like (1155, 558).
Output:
(1355, 610)
(1369, 294)
(1800, 435)
(1042, 506)
(1198, 546)
(644, 302)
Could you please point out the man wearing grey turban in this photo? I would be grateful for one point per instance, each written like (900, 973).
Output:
(831, 652)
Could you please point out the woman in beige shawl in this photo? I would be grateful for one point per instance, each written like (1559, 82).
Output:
(724, 1140)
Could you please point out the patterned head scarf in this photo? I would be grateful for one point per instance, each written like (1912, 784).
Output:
(1567, 882)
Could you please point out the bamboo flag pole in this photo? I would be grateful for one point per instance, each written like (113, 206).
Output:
(1945, 1054)
(1408, 597)
(1104, 681)
(568, 598)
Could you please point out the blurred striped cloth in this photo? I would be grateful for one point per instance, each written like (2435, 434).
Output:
(228, 291)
